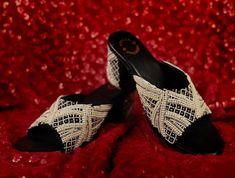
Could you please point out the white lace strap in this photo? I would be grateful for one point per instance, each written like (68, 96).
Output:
(196, 95)
(112, 68)
(171, 111)
(75, 123)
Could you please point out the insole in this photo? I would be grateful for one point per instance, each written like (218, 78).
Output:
(106, 94)
(139, 61)
(45, 138)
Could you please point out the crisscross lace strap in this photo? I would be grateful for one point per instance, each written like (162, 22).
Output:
(171, 111)
(75, 123)
(112, 68)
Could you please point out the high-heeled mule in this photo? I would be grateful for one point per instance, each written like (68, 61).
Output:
(74, 119)
(174, 107)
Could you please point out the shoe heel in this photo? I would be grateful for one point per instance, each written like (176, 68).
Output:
(121, 108)
(117, 74)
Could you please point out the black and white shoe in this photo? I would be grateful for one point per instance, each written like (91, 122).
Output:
(74, 119)
(174, 107)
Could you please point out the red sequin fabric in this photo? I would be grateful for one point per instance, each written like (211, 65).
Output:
(49, 48)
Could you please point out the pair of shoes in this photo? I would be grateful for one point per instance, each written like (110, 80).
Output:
(175, 109)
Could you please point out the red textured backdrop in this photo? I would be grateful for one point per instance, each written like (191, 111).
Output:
(49, 48)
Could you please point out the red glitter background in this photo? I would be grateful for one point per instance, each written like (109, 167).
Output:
(49, 48)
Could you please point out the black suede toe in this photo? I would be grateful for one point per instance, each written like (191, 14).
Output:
(201, 138)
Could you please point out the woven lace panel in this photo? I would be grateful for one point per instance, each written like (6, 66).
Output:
(113, 69)
(171, 112)
(75, 123)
